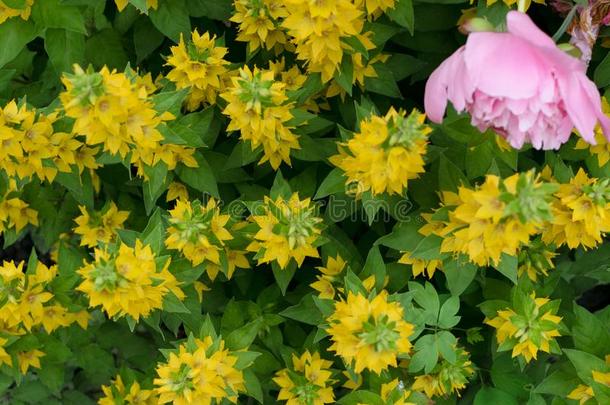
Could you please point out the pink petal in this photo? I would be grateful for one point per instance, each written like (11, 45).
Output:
(520, 25)
(503, 65)
(576, 95)
(436, 92)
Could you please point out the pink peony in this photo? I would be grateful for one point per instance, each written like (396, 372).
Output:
(519, 84)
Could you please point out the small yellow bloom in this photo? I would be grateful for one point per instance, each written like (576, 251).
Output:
(127, 282)
(287, 229)
(421, 266)
(99, 227)
(198, 64)
(369, 333)
(117, 392)
(259, 24)
(259, 110)
(29, 359)
(386, 153)
(121, 4)
(6, 11)
(529, 332)
(200, 373)
(447, 377)
(307, 382)
(582, 394)
(330, 274)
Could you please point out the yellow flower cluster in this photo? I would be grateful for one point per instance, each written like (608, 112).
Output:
(528, 328)
(9, 10)
(581, 213)
(114, 109)
(287, 229)
(258, 108)
(446, 377)
(128, 281)
(16, 213)
(369, 333)
(198, 64)
(601, 149)
(318, 29)
(386, 153)
(201, 372)
(99, 227)
(307, 381)
(259, 23)
(30, 145)
(534, 260)
(421, 266)
(374, 8)
(583, 393)
(119, 393)
(331, 274)
(199, 233)
(121, 4)
(496, 217)
(29, 302)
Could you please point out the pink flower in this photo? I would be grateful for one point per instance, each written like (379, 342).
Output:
(519, 84)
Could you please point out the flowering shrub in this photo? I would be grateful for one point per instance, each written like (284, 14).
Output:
(304, 202)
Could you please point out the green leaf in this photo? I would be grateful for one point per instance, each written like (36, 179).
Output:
(172, 19)
(79, 186)
(154, 233)
(375, 266)
(158, 181)
(146, 38)
(305, 311)
(450, 177)
(584, 363)
(384, 83)
(55, 14)
(170, 101)
(427, 298)
(283, 276)
(64, 48)
(403, 14)
(602, 72)
(459, 274)
(508, 267)
(15, 34)
(172, 304)
(200, 178)
(345, 74)
(105, 48)
(215, 10)
(360, 397)
(243, 337)
(428, 248)
(280, 187)
(490, 395)
(589, 333)
(446, 317)
(253, 385)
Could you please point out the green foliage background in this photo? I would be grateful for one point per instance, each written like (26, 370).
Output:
(269, 314)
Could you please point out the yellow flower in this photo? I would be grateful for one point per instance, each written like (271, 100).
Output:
(421, 266)
(16, 213)
(99, 227)
(28, 302)
(375, 8)
(394, 393)
(318, 29)
(236, 259)
(200, 66)
(447, 377)
(29, 359)
(201, 372)
(258, 108)
(530, 328)
(198, 231)
(117, 393)
(121, 4)
(330, 274)
(177, 191)
(127, 282)
(369, 333)
(115, 110)
(496, 217)
(259, 23)
(6, 11)
(582, 394)
(287, 229)
(581, 213)
(386, 153)
(535, 259)
(602, 147)
(307, 382)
